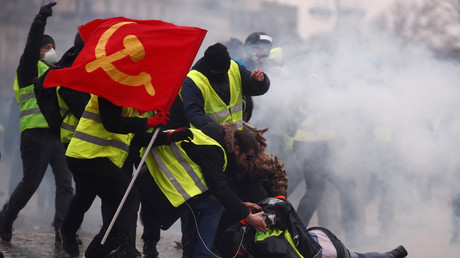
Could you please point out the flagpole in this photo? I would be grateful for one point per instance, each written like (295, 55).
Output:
(130, 186)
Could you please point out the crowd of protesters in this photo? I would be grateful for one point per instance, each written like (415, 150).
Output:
(209, 167)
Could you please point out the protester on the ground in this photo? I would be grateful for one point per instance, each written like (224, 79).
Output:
(40, 145)
(288, 237)
(197, 162)
(262, 177)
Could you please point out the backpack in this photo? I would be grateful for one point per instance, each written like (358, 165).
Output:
(48, 103)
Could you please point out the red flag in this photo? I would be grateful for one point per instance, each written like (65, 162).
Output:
(134, 63)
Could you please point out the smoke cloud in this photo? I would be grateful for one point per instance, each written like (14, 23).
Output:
(392, 110)
(387, 110)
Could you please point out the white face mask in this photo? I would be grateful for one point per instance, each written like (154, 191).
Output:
(50, 57)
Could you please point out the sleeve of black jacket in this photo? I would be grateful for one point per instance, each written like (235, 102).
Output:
(252, 87)
(75, 100)
(114, 122)
(27, 69)
(211, 161)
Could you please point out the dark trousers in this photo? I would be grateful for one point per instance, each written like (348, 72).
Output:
(314, 165)
(40, 147)
(82, 201)
(109, 182)
(316, 158)
(156, 211)
(79, 205)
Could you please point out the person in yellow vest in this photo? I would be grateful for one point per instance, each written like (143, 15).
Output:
(186, 175)
(96, 154)
(288, 237)
(257, 47)
(40, 146)
(213, 91)
(72, 104)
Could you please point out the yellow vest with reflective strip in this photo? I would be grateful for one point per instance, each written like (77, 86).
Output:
(91, 140)
(30, 115)
(69, 123)
(178, 177)
(272, 231)
(311, 131)
(214, 107)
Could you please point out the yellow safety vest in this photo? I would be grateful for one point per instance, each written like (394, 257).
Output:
(274, 232)
(70, 121)
(178, 177)
(311, 131)
(30, 116)
(214, 107)
(91, 140)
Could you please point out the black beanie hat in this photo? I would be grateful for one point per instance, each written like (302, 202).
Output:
(47, 39)
(217, 58)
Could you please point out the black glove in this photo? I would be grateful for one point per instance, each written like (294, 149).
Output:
(46, 11)
(179, 134)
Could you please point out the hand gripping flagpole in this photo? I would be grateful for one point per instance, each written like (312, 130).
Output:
(120, 206)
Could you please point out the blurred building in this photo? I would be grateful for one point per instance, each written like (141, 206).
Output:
(222, 19)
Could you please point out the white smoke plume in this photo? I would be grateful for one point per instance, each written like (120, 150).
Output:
(393, 108)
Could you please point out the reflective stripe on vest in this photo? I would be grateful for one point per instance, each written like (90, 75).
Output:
(69, 123)
(214, 107)
(30, 115)
(274, 232)
(91, 139)
(178, 177)
(311, 131)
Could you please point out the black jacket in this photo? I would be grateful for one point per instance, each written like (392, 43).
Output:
(27, 70)
(211, 161)
(286, 218)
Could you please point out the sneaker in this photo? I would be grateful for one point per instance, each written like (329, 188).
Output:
(150, 249)
(6, 229)
(398, 252)
(70, 244)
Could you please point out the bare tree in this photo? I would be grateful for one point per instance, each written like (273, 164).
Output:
(434, 23)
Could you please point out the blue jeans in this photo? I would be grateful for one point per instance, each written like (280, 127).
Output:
(207, 211)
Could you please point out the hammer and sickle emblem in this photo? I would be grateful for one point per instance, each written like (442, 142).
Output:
(133, 48)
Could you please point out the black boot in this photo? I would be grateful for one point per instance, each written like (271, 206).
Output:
(96, 250)
(57, 238)
(150, 248)
(70, 244)
(124, 252)
(398, 252)
(126, 248)
(6, 228)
